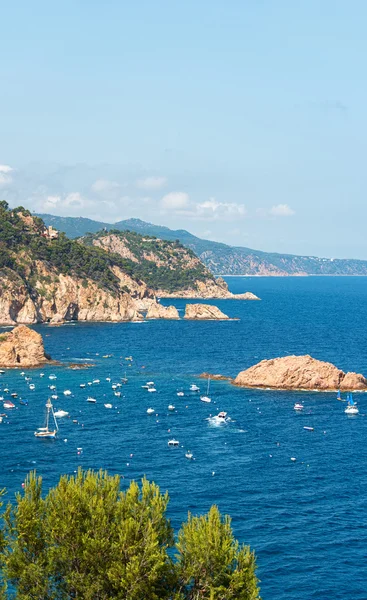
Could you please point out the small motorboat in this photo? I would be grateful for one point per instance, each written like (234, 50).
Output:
(24, 402)
(67, 392)
(171, 407)
(114, 386)
(54, 396)
(82, 385)
(118, 394)
(152, 389)
(52, 387)
(150, 382)
(194, 388)
(42, 374)
(189, 455)
(308, 428)
(150, 411)
(108, 405)
(298, 406)
(96, 381)
(8, 404)
(14, 395)
(108, 379)
(22, 373)
(91, 400)
(180, 394)
(52, 377)
(61, 413)
(173, 442)
(6, 390)
(222, 415)
(32, 386)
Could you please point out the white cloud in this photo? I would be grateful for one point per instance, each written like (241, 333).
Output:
(176, 201)
(212, 209)
(151, 183)
(282, 210)
(104, 185)
(5, 177)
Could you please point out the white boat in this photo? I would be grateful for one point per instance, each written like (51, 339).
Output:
(52, 387)
(96, 381)
(206, 398)
(171, 407)
(194, 388)
(352, 408)
(82, 385)
(150, 411)
(298, 406)
(54, 396)
(42, 374)
(92, 400)
(118, 394)
(180, 394)
(14, 395)
(52, 377)
(8, 404)
(32, 386)
(67, 392)
(189, 455)
(6, 390)
(46, 432)
(114, 386)
(61, 413)
(173, 442)
(22, 373)
(1, 419)
(108, 405)
(150, 382)
(145, 387)
(108, 378)
(152, 389)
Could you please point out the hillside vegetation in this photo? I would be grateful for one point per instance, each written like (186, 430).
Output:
(219, 258)
(158, 264)
(161, 264)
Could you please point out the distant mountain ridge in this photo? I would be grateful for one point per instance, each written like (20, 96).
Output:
(220, 259)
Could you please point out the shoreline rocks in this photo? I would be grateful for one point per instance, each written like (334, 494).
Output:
(158, 311)
(299, 373)
(204, 312)
(22, 347)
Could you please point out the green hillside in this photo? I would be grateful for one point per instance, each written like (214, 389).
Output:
(220, 259)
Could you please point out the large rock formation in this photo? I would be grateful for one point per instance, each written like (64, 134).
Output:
(299, 373)
(157, 311)
(22, 347)
(55, 298)
(204, 312)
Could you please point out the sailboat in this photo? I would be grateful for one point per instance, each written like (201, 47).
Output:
(46, 432)
(206, 398)
(352, 408)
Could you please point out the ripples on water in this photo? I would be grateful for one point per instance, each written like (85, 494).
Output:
(306, 519)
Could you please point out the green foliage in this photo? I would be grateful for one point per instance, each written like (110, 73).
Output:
(87, 539)
(211, 564)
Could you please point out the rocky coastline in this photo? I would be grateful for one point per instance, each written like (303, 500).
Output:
(22, 347)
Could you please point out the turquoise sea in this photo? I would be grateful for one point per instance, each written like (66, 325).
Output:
(306, 519)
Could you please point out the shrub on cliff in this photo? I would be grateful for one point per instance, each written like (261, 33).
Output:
(87, 539)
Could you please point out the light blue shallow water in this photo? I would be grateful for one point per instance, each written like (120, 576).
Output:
(305, 519)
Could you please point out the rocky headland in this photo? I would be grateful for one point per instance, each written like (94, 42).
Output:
(299, 373)
(22, 347)
(204, 312)
(216, 289)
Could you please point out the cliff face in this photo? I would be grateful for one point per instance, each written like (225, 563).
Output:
(204, 312)
(299, 373)
(55, 298)
(22, 347)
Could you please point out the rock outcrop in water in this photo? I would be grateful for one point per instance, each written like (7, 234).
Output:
(22, 347)
(204, 312)
(157, 311)
(299, 373)
(210, 289)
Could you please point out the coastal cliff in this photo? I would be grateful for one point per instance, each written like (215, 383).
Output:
(299, 373)
(204, 312)
(167, 267)
(22, 347)
(53, 279)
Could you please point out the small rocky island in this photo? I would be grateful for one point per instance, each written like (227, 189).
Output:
(22, 347)
(299, 373)
(204, 312)
(158, 311)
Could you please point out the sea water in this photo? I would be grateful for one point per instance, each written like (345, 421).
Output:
(306, 519)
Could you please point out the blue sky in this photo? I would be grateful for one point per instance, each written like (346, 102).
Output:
(242, 121)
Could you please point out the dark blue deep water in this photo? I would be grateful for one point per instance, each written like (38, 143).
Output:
(305, 519)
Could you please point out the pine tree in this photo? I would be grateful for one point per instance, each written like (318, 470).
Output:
(210, 562)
